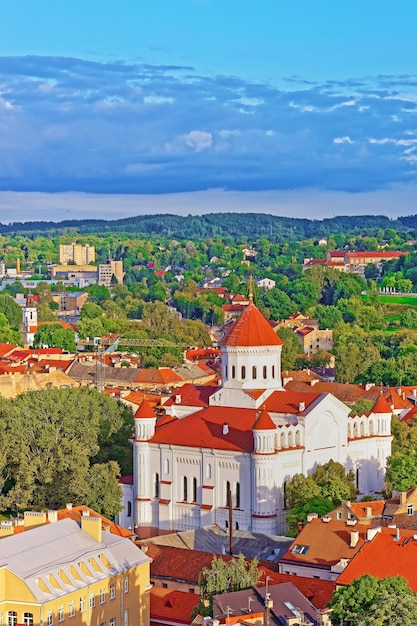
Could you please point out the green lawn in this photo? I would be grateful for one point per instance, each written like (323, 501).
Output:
(408, 300)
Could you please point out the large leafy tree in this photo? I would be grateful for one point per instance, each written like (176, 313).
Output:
(54, 335)
(11, 310)
(372, 601)
(52, 437)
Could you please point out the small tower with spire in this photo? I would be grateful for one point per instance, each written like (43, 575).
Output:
(29, 320)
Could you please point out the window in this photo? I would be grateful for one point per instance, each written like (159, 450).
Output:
(71, 610)
(238, 495)
(164, 586)
(228, 494)
(92, 601)
(273, 371)
(61, 614)
(194, 489)
(11, 618)
(264, 372)
(410, 509)
(237, 525)
(225, 371)
(254, 372)
(156, 490)
(28, 619)
(243, 372)
(233, 371)
(50, 618)
(129, 509)
(112, 621)
(82, 605)
(208, 470)
(166, 468)
(126, 585)
(191, 590)
(126, 617)
(339, 515)
(112, 592)
(226, 524)
(102, 596)
(185, 489)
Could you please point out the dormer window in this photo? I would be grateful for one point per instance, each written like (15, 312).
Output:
(410, 509)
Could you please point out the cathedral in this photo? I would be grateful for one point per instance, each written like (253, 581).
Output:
(244, 440)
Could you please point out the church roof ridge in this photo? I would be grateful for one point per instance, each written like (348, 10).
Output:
(251, 329)
(144, 411)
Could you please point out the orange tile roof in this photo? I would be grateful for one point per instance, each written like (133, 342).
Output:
(318, 591)
(251, 329)
(76, 513)
(5, 348)
(155, 376)
(384, 556)
(359, 508)
(171, 606)
(327, 543)
(410, 416)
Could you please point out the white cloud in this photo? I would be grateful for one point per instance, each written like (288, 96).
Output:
(345, 139)
(198, 140)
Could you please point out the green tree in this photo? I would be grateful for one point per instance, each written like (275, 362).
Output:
(52, 436)
(224, 576)
(11, 310)
(105, 494)
(53, 335)
(90, 311)
(401, 472)
(290, 350)
(7, 333)
(299, 513)
(334, 482)
(363, 601)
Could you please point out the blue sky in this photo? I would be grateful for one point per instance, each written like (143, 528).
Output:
(295, 108)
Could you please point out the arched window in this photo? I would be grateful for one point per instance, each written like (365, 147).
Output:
(226, 524)
(208, 470)
(265, 372)
(285, 494)
(233, 371)
(243, 372)
(129, 509)
(166, 468)
(225, 371)
(238, 495)
(194, 489)
(254, 372)
(11, 618)
(228, 493)
(357, 478)
(28, 619)
(273, 371)
(156, 491)
(185, 489)
(237, 525)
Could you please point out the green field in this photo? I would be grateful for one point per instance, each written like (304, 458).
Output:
(408, 300)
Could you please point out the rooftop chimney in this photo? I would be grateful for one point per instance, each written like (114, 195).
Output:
(92, 526)
(225, 428)
(301, 407)
(354, 538)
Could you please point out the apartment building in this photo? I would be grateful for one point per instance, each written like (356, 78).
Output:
(79, 254)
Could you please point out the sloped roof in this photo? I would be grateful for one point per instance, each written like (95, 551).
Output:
(385, 556)
(326, 542)
(251, 329)
(289, 401)
(264, 421)
(381, 406)
(359, 508)
(171, 605)
(144, 411)
(205, 429)
(157, 376)
(192, 395)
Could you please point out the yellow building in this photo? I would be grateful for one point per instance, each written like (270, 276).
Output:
(106, 271)
(80, 254)
(61, 573)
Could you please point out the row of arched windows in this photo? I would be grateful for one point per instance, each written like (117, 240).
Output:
(12, 618)
(243, 373)
(185, 490)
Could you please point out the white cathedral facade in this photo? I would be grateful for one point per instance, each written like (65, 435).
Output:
(249, 436)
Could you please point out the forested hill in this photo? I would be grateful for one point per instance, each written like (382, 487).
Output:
(221, 225)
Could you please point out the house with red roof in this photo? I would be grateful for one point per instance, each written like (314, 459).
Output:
(247, 437)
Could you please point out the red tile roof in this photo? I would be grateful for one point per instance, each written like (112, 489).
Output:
(169, 604)
(192, 395)
(381, 406)
(155, 376)
(264, 421)
(289, 401)
(145, 411)
(251, 329)
(5, 348)
(205, 429)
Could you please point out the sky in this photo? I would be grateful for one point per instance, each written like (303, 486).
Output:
(194, 106)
